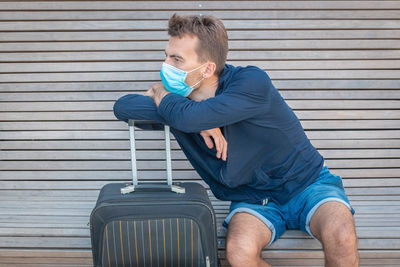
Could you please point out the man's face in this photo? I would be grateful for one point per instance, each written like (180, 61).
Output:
(181, 53)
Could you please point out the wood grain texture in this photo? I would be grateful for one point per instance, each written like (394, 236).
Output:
(64, 63)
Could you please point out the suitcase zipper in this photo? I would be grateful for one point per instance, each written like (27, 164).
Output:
(150, 203)
(153, 203)
(160, 200)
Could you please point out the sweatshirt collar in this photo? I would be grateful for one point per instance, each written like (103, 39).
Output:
(224, 77)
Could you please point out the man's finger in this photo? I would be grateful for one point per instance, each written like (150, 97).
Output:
(221, 140)
(220, 147)
(225, 150)
(208, 141)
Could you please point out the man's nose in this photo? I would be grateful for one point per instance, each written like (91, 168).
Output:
(168, 60)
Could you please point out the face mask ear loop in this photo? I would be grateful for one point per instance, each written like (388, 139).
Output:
(196, 68)
(196, 83)
(200, 79)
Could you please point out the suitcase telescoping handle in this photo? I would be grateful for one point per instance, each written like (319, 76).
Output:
(169, 186)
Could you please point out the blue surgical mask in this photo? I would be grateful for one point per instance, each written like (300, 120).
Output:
(173, 79)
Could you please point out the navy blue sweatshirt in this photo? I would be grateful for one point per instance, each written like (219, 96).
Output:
(268, 156)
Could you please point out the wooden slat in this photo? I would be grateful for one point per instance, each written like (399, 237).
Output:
(233, 45)
(92, 194)
(154, 76)
(224, 15)
(55, 230)
(160, 144)
(80, 164)
(89, 100)
(307, 125)
(162, 35)
(388, 186)
(154, 66)
(178, 5)
(229, 24)
(42, 255)
(181, 175)
(113, 135)
(11, 53)
(364, 207)
(148, 154)
(79, 243)
(111, 97)
(281, 85)
(330, 119)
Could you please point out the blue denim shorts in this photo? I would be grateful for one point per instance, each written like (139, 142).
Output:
(297, 213)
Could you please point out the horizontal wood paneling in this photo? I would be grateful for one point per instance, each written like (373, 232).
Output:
(233, 45)
(229, 24)
(197, 6)
(64, 63)
(265, 13)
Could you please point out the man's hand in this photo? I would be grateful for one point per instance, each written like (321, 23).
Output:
(157, 93)
(220, 143)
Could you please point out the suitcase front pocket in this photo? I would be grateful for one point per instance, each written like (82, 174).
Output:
(152, 242)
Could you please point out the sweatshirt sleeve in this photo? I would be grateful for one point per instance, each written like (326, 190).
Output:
(139, 107)
(245, 97)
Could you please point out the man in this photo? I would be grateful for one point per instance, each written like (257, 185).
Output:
(262, 160)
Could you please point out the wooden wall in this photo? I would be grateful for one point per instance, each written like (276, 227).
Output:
(64, 63)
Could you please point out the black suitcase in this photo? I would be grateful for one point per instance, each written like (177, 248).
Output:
(153, 224)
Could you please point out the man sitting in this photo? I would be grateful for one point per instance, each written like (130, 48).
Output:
(247, 144)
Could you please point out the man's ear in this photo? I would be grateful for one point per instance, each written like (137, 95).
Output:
(210, 70)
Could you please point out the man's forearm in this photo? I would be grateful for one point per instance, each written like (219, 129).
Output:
(137, 107)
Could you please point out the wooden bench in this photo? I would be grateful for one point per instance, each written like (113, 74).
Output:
(63, 64)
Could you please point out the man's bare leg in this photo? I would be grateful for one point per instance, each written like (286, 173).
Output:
(247, 236)
(333, 225)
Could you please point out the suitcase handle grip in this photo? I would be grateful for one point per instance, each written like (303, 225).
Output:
(134, 185)
(155, 187)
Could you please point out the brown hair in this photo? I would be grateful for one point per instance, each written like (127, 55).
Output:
(211, 32)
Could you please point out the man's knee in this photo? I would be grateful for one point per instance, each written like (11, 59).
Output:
(340, 235)
(340, 244)
(241, 251)
(340, 228)
(246, 237)
(333, 225)
(344, 235)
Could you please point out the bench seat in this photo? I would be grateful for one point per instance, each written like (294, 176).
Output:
(50, 227)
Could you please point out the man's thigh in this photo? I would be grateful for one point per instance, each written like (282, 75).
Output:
(252, 219)
(326, 192)
(248, 231)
